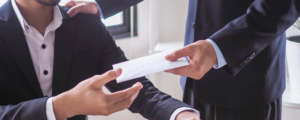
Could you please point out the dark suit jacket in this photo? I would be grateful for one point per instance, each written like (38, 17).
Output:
(250, 34)
(83, 48)
(111, 7)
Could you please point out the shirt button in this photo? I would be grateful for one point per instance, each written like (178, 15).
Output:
(43, 46)
(193, 25)
(45, 72)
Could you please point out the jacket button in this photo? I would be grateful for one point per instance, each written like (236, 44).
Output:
(243, 63)
(252, 55)
(193, 25)
(248, 59)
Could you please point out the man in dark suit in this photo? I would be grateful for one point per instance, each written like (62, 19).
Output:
(45, 53)
(244, 41)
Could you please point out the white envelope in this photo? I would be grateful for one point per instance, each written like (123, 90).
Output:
(147, 65)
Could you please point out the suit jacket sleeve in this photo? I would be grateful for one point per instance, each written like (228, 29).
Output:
(111, 7)
(29, 110)
(264, 21)
(150, 103)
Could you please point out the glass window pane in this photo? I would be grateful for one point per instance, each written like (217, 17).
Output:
(2, 2)
(114, 20)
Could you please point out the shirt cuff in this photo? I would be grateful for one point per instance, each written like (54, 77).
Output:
(49, 109)
(100, 10)
(221, 60)
(178, 110)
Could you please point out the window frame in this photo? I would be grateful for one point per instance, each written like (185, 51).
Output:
(124, 30)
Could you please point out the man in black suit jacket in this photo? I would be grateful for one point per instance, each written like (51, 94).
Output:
(245, 41)
(81, 49)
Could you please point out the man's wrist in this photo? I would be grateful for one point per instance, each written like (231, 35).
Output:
(49, 109)
(187, 115)
(220, 58)
(61, 108)
(182, 109)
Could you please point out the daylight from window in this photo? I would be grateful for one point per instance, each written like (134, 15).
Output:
(114, 20)
(111, 21)
(2, 2)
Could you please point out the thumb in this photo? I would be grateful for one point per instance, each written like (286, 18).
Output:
(125, 94)
(101, 80)
(70, 4)
(77, 9)
(178, 54)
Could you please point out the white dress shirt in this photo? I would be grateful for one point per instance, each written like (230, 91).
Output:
(41, 49)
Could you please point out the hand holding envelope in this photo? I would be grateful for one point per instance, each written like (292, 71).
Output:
(147, 65)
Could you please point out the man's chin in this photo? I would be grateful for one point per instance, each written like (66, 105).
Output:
(49, 2)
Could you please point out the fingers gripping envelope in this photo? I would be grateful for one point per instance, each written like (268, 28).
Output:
(147, 65)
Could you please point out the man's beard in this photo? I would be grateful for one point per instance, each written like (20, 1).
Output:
(49, 2)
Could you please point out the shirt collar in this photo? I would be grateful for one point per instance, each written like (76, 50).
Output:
(56, 22)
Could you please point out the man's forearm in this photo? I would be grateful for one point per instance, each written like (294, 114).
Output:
(254, 31)
(60, 107)
(151, 103)
(28, 110)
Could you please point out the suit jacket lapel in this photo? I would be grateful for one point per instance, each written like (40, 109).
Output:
(13, 35)
(63, 51)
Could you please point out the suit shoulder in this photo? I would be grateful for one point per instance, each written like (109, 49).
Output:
(1, 23)
(66, 9)
(87, 17)
(89, 20)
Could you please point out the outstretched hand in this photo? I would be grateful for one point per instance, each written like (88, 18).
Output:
(201, 55)
(88, 98)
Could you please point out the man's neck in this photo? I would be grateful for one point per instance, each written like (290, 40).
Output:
(37, 15)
